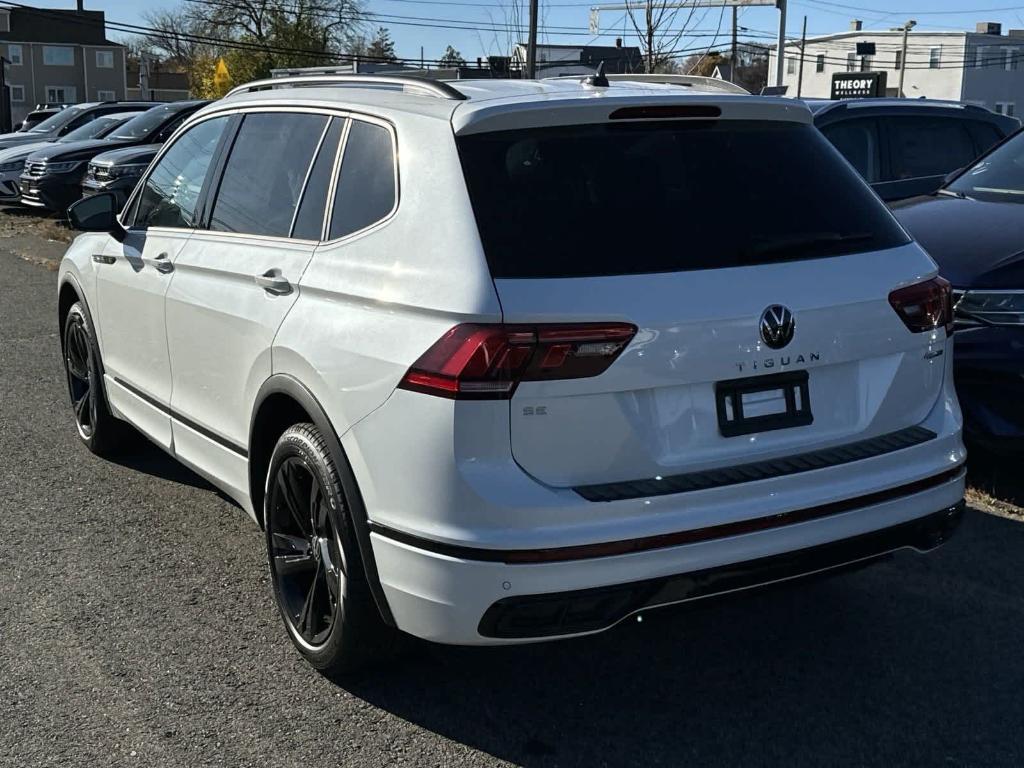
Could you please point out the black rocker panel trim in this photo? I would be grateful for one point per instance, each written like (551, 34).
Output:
(181, 419)
(758, 470)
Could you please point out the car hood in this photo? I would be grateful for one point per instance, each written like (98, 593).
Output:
(14, 139)
(976, 244)
(21, 151)
(75, 150)
(128, 155)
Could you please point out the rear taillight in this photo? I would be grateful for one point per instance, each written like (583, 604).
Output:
(925, 306)
(487, 362)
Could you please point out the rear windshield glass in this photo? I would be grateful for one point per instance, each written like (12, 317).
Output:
(614, 199)
(58, 120)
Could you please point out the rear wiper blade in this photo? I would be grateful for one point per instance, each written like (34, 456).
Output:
(806, 242)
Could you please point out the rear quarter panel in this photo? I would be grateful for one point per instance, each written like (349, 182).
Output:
(370, 304)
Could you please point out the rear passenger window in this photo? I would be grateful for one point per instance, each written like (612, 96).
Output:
(366, 185)
(926, 146)
(986, 135)
(265, 173)
(857, 141)
(309, 221)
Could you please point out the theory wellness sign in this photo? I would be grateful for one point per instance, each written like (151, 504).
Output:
(858, 85)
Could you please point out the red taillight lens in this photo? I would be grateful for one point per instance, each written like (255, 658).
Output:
(488, 361)
(925, 306)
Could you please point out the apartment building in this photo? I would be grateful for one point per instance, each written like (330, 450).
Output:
(984, 67)
(59, 56)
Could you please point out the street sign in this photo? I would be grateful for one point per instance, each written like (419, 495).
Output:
(858, 85)
(865, 49)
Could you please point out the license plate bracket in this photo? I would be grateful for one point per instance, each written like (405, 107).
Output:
(763, 403)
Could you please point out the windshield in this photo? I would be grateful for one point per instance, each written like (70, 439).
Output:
(643, 197)
(58, 121)
(94, 129)
(143, 125)
(998, 176)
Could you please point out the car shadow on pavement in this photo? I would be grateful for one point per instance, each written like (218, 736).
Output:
(143, 456)
(998, 474)
(914, 660)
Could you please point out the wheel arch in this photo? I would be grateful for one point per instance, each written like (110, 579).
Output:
(69, 293)
(281, 402)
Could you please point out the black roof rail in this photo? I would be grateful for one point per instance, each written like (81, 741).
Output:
(434, 88)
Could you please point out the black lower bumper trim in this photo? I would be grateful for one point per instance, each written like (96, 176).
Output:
(589, 610)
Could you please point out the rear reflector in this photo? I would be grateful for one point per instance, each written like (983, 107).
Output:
(925, 306)
(487, 362)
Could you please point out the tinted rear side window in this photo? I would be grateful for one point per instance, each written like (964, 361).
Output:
(927, 146)
(857, 140)
(309, 221)
(265, 173)
(366, 185)
(614, 199)
(986, 135)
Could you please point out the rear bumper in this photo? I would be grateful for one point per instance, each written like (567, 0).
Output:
(441, 596)
(590, 610)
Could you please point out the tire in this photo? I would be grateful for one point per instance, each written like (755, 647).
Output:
(97, 428)
(317, 573)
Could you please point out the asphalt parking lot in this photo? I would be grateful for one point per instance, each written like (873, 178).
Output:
(137, 628)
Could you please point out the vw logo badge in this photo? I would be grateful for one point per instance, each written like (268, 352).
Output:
(777, 326)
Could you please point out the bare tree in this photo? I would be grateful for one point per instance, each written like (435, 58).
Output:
(660, 25)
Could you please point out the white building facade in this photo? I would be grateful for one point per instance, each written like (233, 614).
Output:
(984, 68)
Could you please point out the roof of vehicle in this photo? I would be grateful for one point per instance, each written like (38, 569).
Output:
(891, 104)
(473, 104)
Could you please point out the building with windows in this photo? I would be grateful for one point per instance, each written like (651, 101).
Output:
(60, 57)
(558, 60)
(984, 67)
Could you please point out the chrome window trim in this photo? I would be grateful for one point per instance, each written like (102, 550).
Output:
(309, 172)
(233, 109)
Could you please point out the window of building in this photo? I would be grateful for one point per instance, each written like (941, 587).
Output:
(14, 54)
(105, 59)
(867, 63)
(60, 94)
(170, 193)
(819, 63)
(1005, 108)
(899, 60)
(1010, 58)
(17, 94)
(5, 21)
(366, 184)
(58, 56)
(851, 62)
(791, 66)
(265, 173)
(934, 58)
(106, 96)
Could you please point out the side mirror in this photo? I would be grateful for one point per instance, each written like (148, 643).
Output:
(96, 213)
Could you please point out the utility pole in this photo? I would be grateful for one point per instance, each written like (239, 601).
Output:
(732, 67)
(800, 77)
(650, 36)
(780, 58)
(531, 43)
(903, 56)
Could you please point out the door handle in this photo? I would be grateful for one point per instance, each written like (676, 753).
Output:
(274, 283)
(101, 258)
(163, 263)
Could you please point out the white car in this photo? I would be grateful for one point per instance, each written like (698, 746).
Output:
(503, 361)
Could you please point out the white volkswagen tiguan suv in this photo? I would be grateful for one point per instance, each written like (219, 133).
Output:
(502, 361)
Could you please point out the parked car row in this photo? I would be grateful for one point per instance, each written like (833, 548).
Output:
(49, 166)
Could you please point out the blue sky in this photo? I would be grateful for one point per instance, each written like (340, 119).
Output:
(567, 20)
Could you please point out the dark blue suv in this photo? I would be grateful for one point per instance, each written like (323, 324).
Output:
(906, 147)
